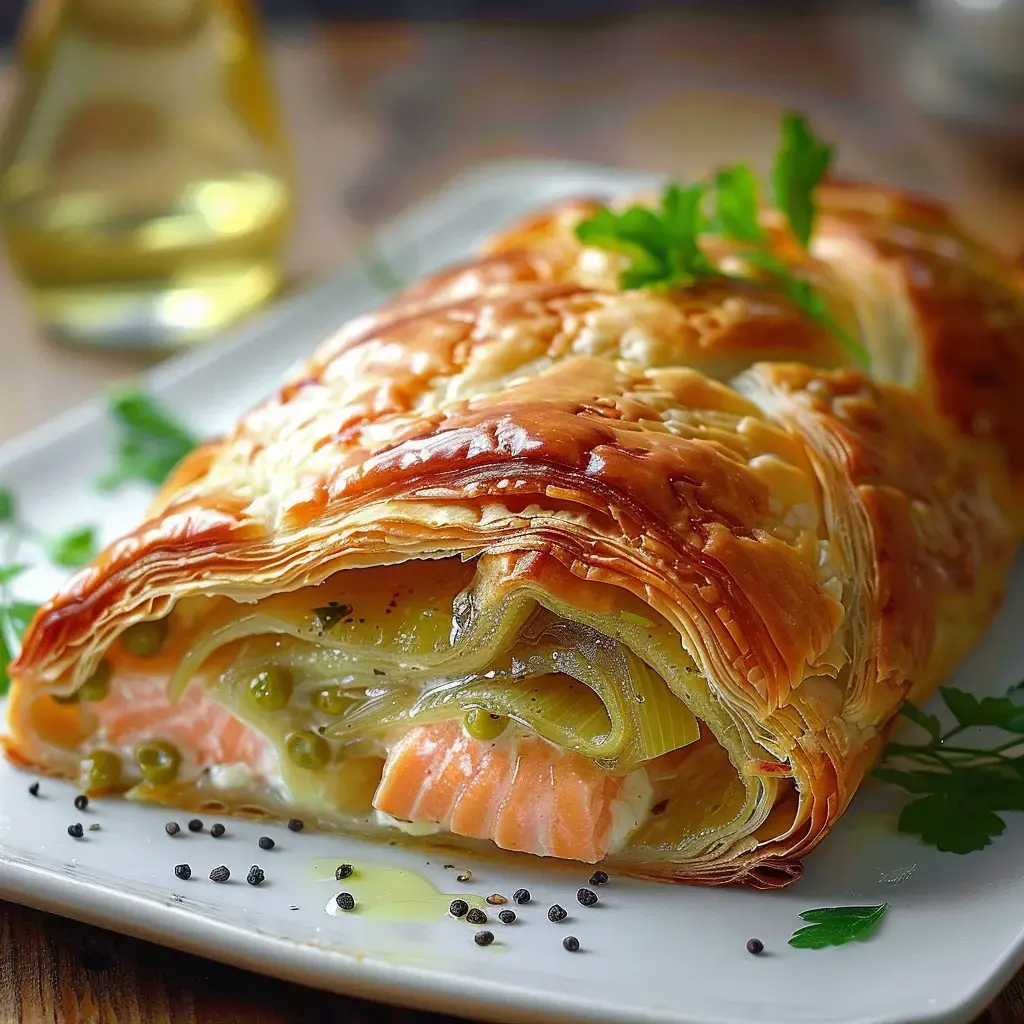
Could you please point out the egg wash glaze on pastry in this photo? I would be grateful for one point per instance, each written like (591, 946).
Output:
(526, 560)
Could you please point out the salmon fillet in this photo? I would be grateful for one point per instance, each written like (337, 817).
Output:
(520, 791)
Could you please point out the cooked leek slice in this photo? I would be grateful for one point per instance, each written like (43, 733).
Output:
(570, 685)
(437, 649)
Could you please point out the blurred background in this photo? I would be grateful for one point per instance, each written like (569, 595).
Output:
(169, 167)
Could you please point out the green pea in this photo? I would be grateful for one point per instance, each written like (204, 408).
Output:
(482, 725)
(308, 749)
(158, 761)
(331, 700)
(97, 686)
(145, 639)
(271, 689)
(100, 770)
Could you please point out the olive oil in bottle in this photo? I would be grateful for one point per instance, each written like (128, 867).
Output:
(144, 187)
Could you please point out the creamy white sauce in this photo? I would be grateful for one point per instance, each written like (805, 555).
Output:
(232, 776)
(410, 828)
(630, 808)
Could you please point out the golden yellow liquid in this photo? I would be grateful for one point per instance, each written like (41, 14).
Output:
(392, 893)
(144, 186)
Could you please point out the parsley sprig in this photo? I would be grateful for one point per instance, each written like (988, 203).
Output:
(150, 443)
(14, 619)
(14, 615)
(69, 549)
(664, 243)
(961, 788)
(835, 926)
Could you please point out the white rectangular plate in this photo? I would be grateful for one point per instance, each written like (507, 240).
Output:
(952, 937)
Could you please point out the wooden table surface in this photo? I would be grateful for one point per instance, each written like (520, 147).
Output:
(382, 115)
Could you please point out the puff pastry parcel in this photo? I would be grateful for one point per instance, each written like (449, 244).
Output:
(528, 560)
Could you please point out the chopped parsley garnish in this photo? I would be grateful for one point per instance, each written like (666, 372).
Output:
(835, 926)
(663, 243)
(150, 441)
(330, 615)
(962, 790)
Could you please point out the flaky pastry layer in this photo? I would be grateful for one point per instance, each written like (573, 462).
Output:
(826, 542)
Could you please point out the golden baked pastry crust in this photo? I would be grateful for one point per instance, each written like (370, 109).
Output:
(826, 542)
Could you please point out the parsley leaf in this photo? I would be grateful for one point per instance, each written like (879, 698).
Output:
(150, 443)
(961, 789)
(801, 163)
(14, 620)
(930, 723)
(950, 823)
(663, 244)
(329, 615)
(72, 548)
(11, 572)
(998, 711)
(835, 926)
(806, 297)
(736, 204)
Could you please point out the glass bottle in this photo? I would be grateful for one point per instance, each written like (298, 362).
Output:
(144, 183)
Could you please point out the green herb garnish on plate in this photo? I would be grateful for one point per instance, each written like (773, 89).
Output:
(72, 548)
(68, 549)
(14, 619)
(664, 243)
(961, 789)
(835, 926)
